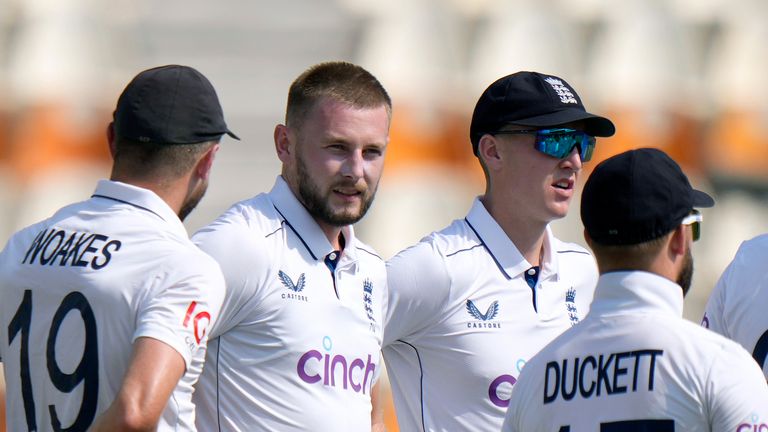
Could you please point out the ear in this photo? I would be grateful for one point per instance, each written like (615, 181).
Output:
(205, 164)
(678, 242)
(283, 143)
(488, 151)
(111, 139)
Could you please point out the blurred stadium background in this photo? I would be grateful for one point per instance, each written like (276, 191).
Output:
(687, 76)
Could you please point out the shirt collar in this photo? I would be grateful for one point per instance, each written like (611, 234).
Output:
(504, 252)
(305, 226)
(620, 291)
(141, 198)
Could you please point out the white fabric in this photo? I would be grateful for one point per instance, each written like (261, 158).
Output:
(461, 321)
(737, 306)
(633, 358)
(293, 350)
(128, 256)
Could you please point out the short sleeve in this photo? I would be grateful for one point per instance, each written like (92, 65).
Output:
(418, 285)
(180, 308)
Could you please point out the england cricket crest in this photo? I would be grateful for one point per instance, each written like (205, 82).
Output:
(562, 90)
(368, 302)
(570, 306)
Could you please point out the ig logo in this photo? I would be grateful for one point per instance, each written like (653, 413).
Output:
(200, 321)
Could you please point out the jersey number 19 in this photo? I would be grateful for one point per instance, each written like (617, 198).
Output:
(86, 372)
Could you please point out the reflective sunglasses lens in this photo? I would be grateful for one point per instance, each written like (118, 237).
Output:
(560, 144)
(696, 228)
(587, 147)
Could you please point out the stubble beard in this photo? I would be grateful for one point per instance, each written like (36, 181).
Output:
(192, 200)
(685, 277)
(318, 204)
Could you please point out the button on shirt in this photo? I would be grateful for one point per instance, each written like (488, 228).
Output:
(635, 362)
(462, 320)
(297, 346)
(82, 286)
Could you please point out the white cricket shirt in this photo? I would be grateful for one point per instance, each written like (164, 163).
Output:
(462, 320)
(297, 345)
(737, 306)
(635, 363)
(78, 288)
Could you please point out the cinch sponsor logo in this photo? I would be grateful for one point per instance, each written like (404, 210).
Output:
(753, 426)
(483, 318)
(335, 370)
(748, 427)
(500, 389)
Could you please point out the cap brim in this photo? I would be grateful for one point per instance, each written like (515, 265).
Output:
(593, 124)
(231, 134)
(702, 199)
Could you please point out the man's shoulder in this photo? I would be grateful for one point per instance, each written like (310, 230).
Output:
(241, 234)
(366, 252)
(757, 244)
(571, 250)
(709, 341)
(751, 252)
(255, 215)
(438, 246)
(453, 239)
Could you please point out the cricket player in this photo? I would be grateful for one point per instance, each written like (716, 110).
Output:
(298, 343)
(106, 305)
(469, 305)
(736, 307)
(634, 364)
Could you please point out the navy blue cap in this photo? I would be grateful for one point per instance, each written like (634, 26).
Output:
(637, 196)
(170, 105)
(532, 99)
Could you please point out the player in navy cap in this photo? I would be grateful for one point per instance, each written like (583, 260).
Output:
(469, 305)
(107, 303)
(634, 363)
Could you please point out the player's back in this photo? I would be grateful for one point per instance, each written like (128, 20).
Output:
(634, 364)
(72, 288)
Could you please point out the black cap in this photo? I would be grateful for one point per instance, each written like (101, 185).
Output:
(532, 99)
(637, 196)
(170, 105)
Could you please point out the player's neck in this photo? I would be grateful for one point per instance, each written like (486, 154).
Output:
(172, 192)
(333, 234)
(526, 233)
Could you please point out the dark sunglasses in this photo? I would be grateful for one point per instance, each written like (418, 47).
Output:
(559, 142)
(694, 220)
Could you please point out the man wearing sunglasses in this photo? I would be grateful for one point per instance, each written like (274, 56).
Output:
(634, 363)
(469, 305)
